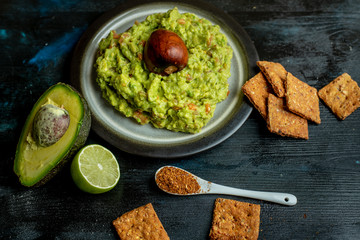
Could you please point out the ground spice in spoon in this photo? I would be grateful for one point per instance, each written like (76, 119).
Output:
(178, 181)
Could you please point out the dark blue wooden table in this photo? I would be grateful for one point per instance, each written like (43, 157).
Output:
(315, 40)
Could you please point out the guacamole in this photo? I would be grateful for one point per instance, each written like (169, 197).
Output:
(183, 101)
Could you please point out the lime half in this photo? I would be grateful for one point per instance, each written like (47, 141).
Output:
(95, 169)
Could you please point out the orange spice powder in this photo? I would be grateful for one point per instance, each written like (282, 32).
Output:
(175, 180)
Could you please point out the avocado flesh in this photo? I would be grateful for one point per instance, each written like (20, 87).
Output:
(34, 164)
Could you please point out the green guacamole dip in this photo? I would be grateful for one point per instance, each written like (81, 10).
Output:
(184, 101)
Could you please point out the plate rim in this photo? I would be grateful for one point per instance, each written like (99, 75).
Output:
(181, 150)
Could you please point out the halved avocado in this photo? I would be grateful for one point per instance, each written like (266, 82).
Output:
(34, 164)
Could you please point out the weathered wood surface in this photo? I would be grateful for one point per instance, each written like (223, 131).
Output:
(315, 40)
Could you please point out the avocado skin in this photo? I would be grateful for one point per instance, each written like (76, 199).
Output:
(79, 142)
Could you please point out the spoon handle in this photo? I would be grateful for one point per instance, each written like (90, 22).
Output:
(281, 198)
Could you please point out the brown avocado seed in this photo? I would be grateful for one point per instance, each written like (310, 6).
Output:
(165, 52)
(50, 124)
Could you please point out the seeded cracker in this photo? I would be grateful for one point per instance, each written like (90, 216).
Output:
(283, 122)
(140, 223)
(302, 99)
(235, 220)
(275, 73)
(342, 96)
(257, 90)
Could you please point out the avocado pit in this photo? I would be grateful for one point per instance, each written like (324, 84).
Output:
(50, 124)
(165, 52)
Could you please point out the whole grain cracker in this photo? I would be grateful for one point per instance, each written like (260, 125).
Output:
(342, 96)
(235, 220)
(275, 73)
(257, 90)
(283, 122)
(302, 99)
(140, 223)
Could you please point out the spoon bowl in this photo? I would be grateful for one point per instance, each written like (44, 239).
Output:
(207, 187)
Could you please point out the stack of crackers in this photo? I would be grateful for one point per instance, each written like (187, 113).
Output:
(231, 220)
(287, 103)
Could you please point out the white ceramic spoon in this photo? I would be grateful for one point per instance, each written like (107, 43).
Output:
(207, 187)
